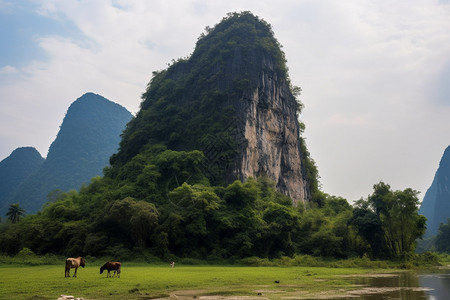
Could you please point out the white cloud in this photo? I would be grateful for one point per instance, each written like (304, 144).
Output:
(370, 73)
(8, 70)
(6, 6)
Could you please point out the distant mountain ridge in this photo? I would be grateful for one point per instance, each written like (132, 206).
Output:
(89, 135)
(436, 202)
(16, 168)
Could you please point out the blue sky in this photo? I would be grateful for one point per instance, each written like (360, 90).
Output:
(20, 29)
(374, 74)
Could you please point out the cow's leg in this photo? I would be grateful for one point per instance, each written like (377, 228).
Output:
(75, 274)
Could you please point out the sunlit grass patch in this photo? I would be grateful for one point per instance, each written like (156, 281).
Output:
(159, 281)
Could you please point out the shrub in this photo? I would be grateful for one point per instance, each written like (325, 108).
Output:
(256, 261)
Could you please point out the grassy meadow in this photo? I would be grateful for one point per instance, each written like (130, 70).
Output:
(144, 281)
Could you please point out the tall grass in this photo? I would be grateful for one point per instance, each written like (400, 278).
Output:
(412, 261)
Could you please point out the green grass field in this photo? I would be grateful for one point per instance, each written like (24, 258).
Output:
(142, 281)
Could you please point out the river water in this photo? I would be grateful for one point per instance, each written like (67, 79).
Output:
(405, 285)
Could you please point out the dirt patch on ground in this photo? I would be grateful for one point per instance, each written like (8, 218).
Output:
(232, 298)
(292, 292)
(266, 294)
(205, 295)
(374, 275)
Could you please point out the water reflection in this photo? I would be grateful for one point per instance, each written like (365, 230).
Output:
(405, 285)
(439, 285)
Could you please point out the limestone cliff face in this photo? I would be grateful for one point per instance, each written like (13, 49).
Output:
(270, 128)
(231, 99)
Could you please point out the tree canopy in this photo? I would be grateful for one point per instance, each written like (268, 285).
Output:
(15, 212)
(389, 221)
(443, 238)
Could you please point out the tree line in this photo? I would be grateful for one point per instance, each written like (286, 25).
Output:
(161, 203)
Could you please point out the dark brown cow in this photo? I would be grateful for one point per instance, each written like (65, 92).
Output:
(111, 266)
(74, 263)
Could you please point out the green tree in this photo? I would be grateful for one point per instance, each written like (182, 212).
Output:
(282, 224)
(325, 231)
(135, 219)
(443, 238)
(190, 217)
(10, 238)
(395, 215)
(368, 226)
(241, 224)
(15, 212)
(402, 224)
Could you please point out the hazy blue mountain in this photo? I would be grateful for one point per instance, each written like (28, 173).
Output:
(16, 168)
(436, 202)
(89, 135)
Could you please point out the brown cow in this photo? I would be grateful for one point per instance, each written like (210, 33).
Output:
(111, 266)
(74, 263)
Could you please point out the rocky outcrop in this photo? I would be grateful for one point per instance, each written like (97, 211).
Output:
(269, 125)
(436, 202)
(232, 100)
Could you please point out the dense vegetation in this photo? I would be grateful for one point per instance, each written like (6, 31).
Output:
(144, 211)
(159, 198)
(389, 221)
(442, 240)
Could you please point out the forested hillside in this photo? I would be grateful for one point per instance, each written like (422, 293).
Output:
(231, 99)
(15, 169)
(88, 136)
(174, 188)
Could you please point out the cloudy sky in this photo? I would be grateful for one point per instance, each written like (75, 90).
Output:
(375, 75)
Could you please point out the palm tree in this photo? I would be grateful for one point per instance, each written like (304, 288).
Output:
(15, 212)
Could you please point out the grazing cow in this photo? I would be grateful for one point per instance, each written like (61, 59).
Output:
(74, 263)
(111, 266)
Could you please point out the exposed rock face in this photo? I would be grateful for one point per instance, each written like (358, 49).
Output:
(231, 100)
(436, 202)
(271, 130)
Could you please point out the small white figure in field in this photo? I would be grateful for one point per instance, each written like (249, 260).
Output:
(172, 264)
